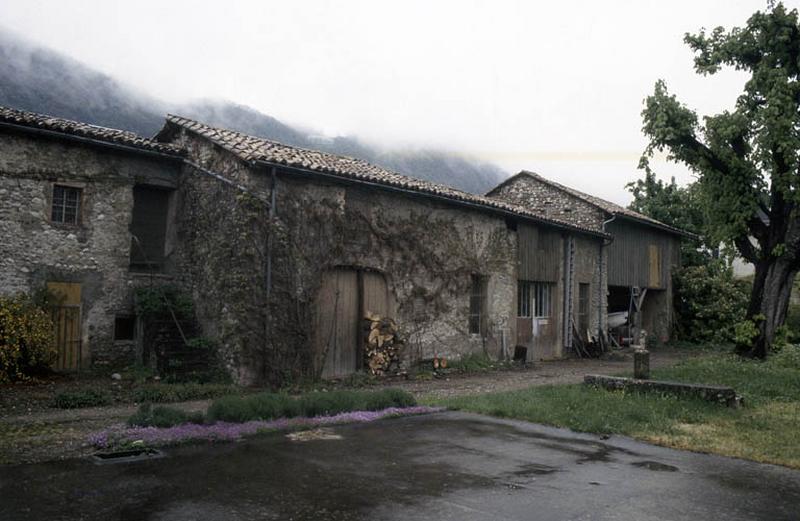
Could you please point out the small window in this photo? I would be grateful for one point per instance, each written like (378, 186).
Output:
(124, 327)
(543, 293)
(477, 305)
(524, 299)
(66, 206)
(534, 299)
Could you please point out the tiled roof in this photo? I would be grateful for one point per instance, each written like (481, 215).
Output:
(33, 120)
(255, 149)
(602, 204)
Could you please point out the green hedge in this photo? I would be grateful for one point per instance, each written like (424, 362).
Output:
(162, 393)
(265, 406)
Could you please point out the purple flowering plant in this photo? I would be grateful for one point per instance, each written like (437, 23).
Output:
(122, 436)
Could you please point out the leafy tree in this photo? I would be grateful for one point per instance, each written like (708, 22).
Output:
(746, 159)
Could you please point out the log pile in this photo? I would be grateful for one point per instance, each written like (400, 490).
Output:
(382, 349)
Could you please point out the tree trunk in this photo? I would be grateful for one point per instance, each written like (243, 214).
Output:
(769, 301)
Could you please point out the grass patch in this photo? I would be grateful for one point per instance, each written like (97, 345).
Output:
(764, 430)
(473, 363)
(266, 406)
(81, 398)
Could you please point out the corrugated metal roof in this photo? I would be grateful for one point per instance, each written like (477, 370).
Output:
(255, 149)
(33, 120)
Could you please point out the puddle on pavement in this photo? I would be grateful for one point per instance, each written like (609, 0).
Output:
(535, 469)
(654, 465)
(314, 434)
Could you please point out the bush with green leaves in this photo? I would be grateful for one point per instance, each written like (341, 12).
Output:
(266, 406)
(161, 393)
(160, 300)
(709, 303)
(27, 342)
(81, 398)
(162, 416)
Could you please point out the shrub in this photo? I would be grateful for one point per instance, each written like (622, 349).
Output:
(81, 398)
(329, 403)
(231, 409)
(159, 300)
(389, 398)
(161, 393)
(162, 416)
(709, 303)
(26, 338)
(265, 406)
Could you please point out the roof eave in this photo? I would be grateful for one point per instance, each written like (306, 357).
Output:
(660, 226)
(91, 141)
(430, 195)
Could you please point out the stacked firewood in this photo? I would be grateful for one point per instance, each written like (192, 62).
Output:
(382, 350)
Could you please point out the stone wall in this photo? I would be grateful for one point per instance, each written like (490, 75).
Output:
(549, 201)
(426, 251)
(589, 270)
(221, 242)
(95, 252)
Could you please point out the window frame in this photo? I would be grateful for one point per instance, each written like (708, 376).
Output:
(535, 299)
(79, 204)
(477, 304)
(543, 299)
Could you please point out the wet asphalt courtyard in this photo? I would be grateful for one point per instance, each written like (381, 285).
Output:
(449, 466)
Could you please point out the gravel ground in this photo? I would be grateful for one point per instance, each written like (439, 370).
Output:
(556, 372)
(31, 433)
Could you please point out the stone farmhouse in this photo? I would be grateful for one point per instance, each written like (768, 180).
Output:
(284, 251)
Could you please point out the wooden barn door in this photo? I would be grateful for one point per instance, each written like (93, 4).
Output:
(336, 328)
(345, 297)
(67, 321)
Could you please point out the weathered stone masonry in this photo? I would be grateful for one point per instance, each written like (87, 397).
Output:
(275, 244)
(426, 251)
(96, 252)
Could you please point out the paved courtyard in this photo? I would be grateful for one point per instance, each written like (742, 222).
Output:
(444, 466)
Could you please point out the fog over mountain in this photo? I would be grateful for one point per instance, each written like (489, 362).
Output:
(42, 80)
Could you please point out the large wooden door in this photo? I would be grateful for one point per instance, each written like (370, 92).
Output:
(346, 296)
(337, 323)
(66, 316)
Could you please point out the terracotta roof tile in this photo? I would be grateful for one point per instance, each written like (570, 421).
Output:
(34, 120)
(254, 149)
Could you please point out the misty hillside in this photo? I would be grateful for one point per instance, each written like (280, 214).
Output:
(41, 80)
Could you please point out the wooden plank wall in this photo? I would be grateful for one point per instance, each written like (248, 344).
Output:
(640, 255)
(539, 253)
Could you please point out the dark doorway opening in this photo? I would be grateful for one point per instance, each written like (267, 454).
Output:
(149, 228)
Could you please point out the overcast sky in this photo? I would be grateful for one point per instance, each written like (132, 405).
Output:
(555, 87)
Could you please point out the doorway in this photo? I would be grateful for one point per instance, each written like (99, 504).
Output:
(345, 297)
(66, 315)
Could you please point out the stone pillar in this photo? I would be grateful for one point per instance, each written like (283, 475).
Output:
(641, 364)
